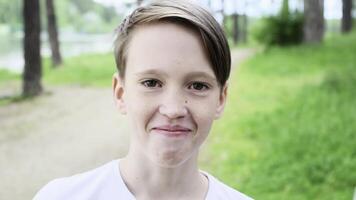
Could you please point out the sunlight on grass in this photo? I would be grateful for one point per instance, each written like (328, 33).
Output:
(288, 130)
(6, 75)
(85, 70)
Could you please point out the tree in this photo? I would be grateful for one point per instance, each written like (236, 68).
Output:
(313, 21)
(244, 24)
(346, 22)
(285, 9)
(283, 29)
(244, 28)
(53, 33)
(223, 15)
(235, 25)
(33, 66)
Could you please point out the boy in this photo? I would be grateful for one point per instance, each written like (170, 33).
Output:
(173, 62)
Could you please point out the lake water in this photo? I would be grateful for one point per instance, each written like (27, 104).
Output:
(72, 44)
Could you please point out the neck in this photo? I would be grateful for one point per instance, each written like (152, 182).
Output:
(148, 180)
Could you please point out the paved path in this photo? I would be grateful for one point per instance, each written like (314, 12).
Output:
(59, 134)
(240, 55)
(68, 130)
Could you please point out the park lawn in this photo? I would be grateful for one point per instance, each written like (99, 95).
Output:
(85, 70)
(6, 78)
(289, 128)
(6, 75)
(88, 70)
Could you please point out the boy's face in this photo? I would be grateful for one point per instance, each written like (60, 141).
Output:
(170, 93)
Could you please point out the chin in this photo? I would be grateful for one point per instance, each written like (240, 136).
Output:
(169, 159)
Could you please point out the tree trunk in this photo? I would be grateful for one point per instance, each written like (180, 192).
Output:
(346, 23)
(244, 24)
(244, 29)
(313, 21)
(235, 35)
(223, 16)
(32, 55)
(53, 33)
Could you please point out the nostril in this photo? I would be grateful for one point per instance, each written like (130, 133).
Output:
(173, 111)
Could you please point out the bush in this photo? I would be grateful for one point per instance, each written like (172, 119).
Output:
(278, 30)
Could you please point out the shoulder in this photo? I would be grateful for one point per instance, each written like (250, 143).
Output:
(218, 190)
(77, 186)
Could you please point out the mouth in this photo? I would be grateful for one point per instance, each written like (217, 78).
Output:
(172, 131)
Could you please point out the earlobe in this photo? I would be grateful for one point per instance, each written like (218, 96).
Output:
(118, 93)
(221, 103)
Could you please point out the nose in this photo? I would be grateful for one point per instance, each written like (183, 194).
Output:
(173, 107)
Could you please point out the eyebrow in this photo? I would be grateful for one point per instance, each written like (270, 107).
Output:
(151, 71)
(197, 74)
(201, 74)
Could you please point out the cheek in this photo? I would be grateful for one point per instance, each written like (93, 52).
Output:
(203, 112)
(204, 121)
(140, 109)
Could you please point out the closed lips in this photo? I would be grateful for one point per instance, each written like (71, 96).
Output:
(172, 129)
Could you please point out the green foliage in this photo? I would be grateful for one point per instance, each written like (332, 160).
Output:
(86, 16)
(229, 28)
(288, 131)
(78, 15)
(83, 6)
(11, 13)
(283, 29)
(285, 9)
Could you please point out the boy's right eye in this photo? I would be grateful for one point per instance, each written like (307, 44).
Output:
(151, 83)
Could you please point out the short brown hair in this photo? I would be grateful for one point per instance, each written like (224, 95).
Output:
(178, 11)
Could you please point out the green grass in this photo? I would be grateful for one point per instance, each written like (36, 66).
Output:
(85, 70)
(6, 75)
(91, 70)
(289, 128)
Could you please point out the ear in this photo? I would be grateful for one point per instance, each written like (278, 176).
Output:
(118, 93)
(222, 100)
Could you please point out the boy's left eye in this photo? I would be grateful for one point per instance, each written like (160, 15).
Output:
(199, 86)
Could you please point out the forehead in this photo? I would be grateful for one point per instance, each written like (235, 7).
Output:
(166, 46)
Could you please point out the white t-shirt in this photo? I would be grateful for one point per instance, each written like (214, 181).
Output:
(106, 183)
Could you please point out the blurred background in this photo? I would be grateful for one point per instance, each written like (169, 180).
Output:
(288, 131)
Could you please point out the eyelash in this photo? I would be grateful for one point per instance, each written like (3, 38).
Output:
(204, 85)
(148, 83)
